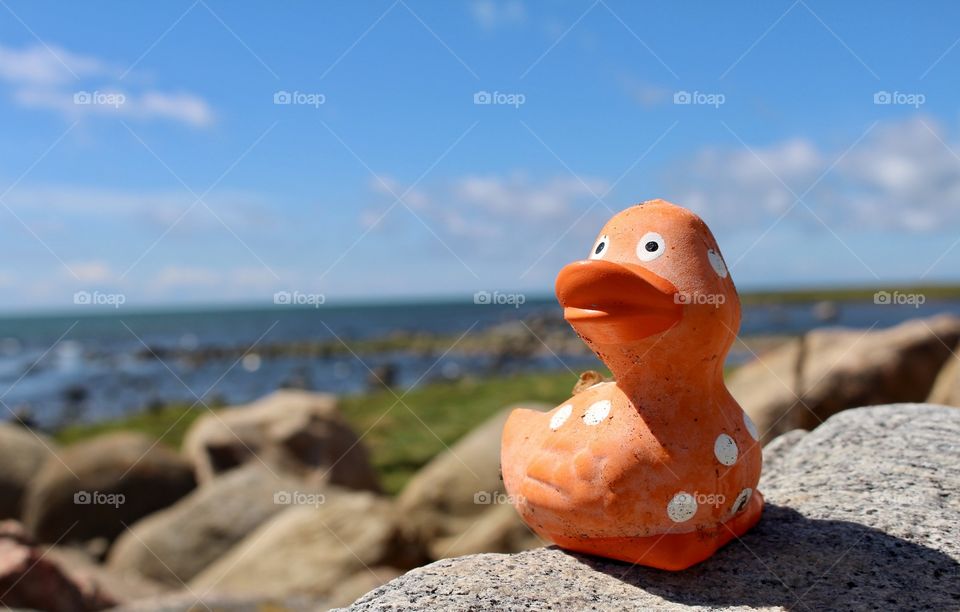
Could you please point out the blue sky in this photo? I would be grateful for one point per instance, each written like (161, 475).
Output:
(182, 181)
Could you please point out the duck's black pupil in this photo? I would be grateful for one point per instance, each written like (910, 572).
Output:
(651, 246)
(600, 248)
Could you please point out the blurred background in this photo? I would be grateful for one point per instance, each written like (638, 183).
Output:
(202, 202)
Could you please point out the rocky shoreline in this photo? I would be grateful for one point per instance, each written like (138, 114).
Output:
(276, 504)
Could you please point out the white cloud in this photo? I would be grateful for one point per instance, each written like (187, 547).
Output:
(518, 196)
(182, 107)
(240, 210)
(902, 176)
(645, 94)
(39, 65)
(186, 276)
(515, 228)
(237, 282)
(906, 178)
(76, 85)
(91, 271)
(483, 207)
(491, 14)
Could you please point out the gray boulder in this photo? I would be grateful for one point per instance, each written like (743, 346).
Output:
(298, 432)
(192, 601)
(173, 545)
(862, 513)
(447, 498)
(22, 453)
(803, 382)
(946, 389)
(311, 550)
(93, 489)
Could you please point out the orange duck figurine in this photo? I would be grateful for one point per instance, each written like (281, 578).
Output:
(659, 468)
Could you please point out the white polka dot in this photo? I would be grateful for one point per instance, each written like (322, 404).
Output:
(742, 500)
(725, 449)
(748, 422)
(682, 507)
(716, 260)
(560, 416)
(597, 412)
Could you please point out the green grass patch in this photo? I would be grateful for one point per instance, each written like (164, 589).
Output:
(402, 437)
(168, 425)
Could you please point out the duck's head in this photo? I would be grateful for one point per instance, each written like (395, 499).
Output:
(654, 285)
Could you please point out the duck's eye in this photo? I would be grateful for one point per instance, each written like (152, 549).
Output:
(600, 249)
(650, 246)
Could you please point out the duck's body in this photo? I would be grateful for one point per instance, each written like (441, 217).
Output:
(659, 468)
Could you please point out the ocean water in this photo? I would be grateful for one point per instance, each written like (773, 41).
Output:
(86, 367)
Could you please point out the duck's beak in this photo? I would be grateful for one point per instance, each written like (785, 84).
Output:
(613, 302)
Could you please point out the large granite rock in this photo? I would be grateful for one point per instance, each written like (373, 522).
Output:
(22, 454)
(862, 514)
(311, 550)
(173, 545)
(294, 431)
(446, 499)
(803, 382)
(95, 488)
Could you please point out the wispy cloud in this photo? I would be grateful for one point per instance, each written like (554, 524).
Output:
(95, 272)
(182, 107)
(479, 207)
(76, 85)
(210, 282)
(902, 176)
(644, 93)
(39, 65)
(155, 209)
(514, 227)
(492, 14)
